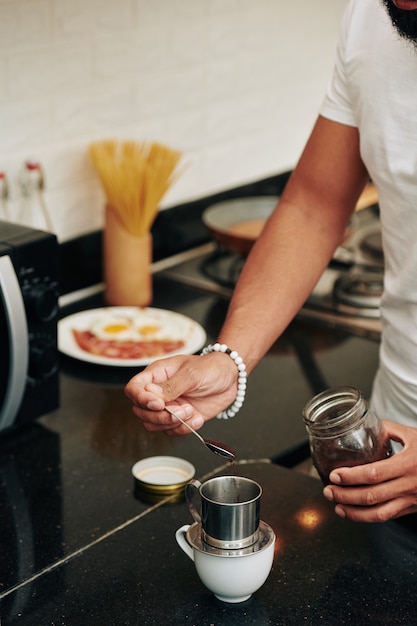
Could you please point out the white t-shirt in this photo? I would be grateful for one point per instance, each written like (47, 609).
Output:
(374, 88)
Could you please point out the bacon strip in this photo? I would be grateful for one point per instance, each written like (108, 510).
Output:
(114, 349)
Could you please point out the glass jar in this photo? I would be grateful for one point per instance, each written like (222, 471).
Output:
(343, 431)
(33, 210)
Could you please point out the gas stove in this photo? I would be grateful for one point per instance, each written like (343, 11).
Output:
(346, 297)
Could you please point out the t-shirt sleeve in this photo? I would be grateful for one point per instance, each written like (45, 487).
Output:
(336, 105)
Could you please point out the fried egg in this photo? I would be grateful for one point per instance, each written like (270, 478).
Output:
(110, 326)
(143, 325)
(151, 327)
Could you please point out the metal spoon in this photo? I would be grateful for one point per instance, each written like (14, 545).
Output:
(214, 446)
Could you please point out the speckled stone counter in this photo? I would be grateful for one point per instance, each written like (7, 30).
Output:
(79, 548)
(326, 570)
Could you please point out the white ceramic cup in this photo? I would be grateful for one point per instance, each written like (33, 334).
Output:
(232, 575)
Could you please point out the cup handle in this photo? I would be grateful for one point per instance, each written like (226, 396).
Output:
(180, 536)
(191, 494)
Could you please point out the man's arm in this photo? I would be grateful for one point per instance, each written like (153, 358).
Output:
(285, 263)
(298, 241)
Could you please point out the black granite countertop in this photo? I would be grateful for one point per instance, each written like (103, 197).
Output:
(80, 548)
(326, 570)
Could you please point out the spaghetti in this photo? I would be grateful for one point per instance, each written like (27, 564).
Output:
(135, 176)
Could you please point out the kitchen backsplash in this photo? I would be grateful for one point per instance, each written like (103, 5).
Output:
(175, 230)
(234, 84)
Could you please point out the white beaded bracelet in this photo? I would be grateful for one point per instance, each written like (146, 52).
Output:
(241, 381)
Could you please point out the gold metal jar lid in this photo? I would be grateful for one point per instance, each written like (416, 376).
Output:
(162, 475)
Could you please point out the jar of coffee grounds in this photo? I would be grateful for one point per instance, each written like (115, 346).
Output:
(343, 431)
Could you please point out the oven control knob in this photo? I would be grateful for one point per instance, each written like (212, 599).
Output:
(41, 302)
(43, 360)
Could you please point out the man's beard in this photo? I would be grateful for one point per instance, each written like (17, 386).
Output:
(405, 22)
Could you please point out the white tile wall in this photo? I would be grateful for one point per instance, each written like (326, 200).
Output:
(234, 84)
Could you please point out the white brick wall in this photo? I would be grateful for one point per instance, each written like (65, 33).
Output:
(234, 84)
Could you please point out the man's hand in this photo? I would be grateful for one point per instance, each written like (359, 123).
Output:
(378, 491)
(196, 388)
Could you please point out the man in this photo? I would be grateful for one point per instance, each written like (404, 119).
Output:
(367, 127)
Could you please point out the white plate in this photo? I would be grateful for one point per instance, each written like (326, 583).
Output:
(194, 335)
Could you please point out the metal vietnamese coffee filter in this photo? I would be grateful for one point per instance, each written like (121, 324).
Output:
(265, 536)
(228, 509)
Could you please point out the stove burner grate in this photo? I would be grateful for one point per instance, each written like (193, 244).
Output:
(362, 289)
(356, 293)
(222, 267)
